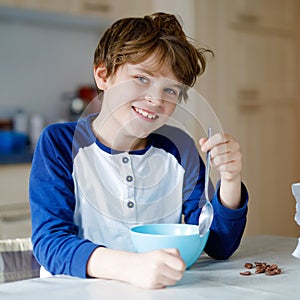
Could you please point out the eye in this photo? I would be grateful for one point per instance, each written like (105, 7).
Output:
(143, 79)
(171, 91)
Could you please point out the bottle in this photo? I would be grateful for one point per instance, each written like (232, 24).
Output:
(20, 122)
(37, 124)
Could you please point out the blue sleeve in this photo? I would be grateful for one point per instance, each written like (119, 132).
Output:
(228, 225)
(54, 234)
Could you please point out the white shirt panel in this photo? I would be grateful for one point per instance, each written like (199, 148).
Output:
(115, 192)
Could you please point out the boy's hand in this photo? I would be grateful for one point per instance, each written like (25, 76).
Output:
(150, 270)
(227, 158)
(225, 155)
(157, 269)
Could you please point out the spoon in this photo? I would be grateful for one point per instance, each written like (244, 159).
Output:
(207, 212)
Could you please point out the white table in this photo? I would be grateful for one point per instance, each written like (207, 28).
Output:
(207, 279)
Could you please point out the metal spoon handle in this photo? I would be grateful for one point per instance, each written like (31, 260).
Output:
(207, 167)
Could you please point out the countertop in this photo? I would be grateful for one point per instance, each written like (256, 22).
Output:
(206, 279)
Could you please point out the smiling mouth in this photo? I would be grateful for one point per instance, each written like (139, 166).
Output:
(145, 113)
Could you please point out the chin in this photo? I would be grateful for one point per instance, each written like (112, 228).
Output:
(142, 129)
(138, 133)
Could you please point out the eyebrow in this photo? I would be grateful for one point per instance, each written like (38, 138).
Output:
(145, 71)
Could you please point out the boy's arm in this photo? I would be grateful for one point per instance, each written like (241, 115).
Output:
(55, 238)
(150, 270)
(229, 201)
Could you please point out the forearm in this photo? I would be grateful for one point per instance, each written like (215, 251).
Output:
(230, 193)
(110, 264)
(155, 269)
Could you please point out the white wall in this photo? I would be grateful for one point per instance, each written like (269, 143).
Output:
(41, 61)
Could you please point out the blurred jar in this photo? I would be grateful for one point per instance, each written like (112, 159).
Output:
(20, 122)
(36, 126)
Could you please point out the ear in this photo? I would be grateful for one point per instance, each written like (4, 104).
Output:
(100, 76)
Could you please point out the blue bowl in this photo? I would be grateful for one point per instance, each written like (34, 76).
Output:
(184, 237)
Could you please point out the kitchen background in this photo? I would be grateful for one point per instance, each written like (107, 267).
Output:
(46, 57)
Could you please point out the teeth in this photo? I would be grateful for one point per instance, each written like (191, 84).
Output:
(144, 113)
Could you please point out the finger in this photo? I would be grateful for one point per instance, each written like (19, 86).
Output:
(230, 147)
(173, 267)
(226, 159)
(215, 140)
(170, 276)
(165, 281)
(219, 150)
(202, 141)
(167, 272)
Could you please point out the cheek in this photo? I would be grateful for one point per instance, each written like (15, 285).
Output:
(123, 93)
(169, 108)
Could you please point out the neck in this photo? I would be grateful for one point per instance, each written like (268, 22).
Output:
(115, 138)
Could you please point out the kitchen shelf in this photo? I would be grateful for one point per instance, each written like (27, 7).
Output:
(13, 14)
(23, 157)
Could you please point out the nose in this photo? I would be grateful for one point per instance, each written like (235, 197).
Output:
(154, 99)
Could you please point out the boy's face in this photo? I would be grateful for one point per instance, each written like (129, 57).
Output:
(139, 97)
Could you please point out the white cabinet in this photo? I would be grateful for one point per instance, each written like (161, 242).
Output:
(254, 86)
(113, 9)
(267, 134)
(265, 67)
(45, 5)
(93, 15)
(105, 9)
(265, 97)
(14, 201)
(276, 14)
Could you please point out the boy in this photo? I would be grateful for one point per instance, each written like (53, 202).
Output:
(94, 179)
